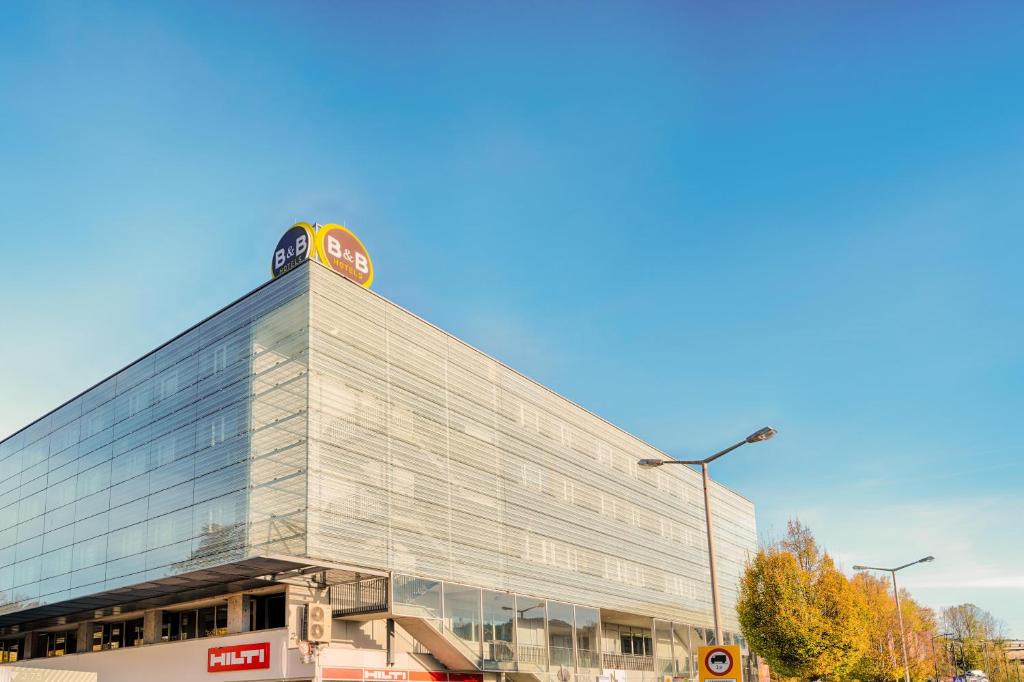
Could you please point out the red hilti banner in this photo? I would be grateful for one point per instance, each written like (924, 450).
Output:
(221, 659)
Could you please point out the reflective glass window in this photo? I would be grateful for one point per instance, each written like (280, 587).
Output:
(499, 619)
(588, 622)
(417, 596)
(462, 616)
(560, 639)
(531, 633)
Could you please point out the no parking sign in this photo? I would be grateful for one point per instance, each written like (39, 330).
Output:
(720, 663)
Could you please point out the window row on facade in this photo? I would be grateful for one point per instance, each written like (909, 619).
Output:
(266, 611)
(505, 631)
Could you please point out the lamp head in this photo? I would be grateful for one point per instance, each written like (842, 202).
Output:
(927, 559)
(761, 434)
(860, 568)
(650, 463)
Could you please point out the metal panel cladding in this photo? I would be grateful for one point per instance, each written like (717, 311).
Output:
(429, 458)
(191, 457)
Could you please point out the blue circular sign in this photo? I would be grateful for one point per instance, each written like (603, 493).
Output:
(294, 247)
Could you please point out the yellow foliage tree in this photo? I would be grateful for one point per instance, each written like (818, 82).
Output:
(798, 611)
(883, 659)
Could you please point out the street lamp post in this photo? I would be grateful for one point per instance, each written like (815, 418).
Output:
(896, 591)
(756, 437)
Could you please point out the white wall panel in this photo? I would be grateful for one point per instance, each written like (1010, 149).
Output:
(428, 457)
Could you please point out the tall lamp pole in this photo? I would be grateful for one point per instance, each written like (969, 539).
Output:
(896, 591)
(756, 437)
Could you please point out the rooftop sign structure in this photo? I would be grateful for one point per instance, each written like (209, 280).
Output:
(335, 246)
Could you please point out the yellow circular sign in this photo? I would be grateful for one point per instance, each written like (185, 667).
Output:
(340, 250)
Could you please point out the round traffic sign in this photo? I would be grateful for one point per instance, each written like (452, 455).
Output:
(718, 661)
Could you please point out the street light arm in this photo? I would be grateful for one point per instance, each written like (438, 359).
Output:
(899, 611)
(718, 454)
(761, 434)
(696, 462)
(675, 461)
(912, 563)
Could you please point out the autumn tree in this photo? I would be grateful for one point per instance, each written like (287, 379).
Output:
(977, 638)
(883, 659)
(798, 611)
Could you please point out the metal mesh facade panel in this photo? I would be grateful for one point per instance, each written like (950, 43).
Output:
(429, 458)
(314, 418)
(191, 457)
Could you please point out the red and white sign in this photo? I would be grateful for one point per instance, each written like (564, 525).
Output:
(340, 249)
(391, 675)
(221, 659)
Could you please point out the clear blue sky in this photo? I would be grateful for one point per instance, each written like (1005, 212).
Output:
(692, 218)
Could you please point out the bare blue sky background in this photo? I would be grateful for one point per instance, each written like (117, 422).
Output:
(692, 218)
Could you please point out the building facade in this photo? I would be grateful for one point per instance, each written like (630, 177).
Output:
(315, 442)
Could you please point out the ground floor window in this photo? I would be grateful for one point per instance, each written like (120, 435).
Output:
(11, 650)
(192, 623)
(117, 635)
(55, 643)
(628, 640)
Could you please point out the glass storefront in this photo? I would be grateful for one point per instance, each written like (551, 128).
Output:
(560, 626)
(417, 597)
(462, 617)
(507, 632)
(499, 609)
(531, 647)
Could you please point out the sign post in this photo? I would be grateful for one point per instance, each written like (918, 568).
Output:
(720, 663)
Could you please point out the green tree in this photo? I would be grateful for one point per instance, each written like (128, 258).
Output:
(978, 639)
(798, 611)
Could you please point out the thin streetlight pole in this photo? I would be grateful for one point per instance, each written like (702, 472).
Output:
(899, 611)
(756, 437)
(903, 632)
(711, 554)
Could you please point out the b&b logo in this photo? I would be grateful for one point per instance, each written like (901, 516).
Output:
(294, 247)
(342, 251)
(333, 245)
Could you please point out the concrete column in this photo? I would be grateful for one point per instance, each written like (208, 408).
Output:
(30, 645)
(238, 614)
(152, 626)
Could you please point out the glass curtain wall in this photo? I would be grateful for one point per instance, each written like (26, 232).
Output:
(588, 637)
(148, 474)
(532, 644)
(504, 631)
(499, 630)
(417, 597)
(462, 618)
(560, 625)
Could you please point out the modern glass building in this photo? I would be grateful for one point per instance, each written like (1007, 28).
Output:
(313, 428)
